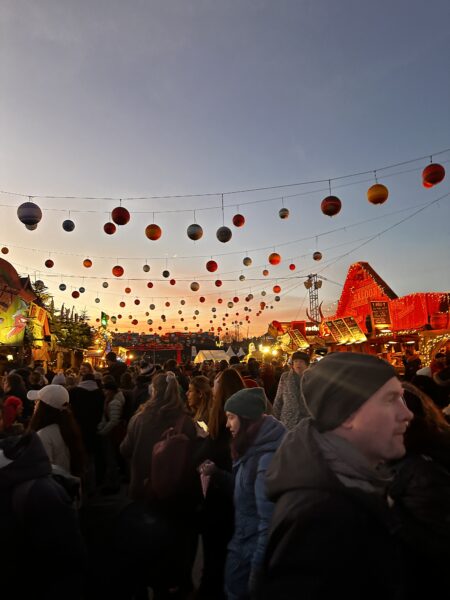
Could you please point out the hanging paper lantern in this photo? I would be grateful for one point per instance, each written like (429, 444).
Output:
(194, 232)
(230, 305)
(68, 225)
(250, 296)
(263, 293)
(105, 284)
(29, 214)
(152, 307)
(292, 267)
(202, 298)
(146, 268)
(182, 302)
(134, 322)
(97, 300)
(330, 206)
(219, 300)
(49, 263)
(149, 321)
(81, 290)
(238, 220)
(62, 287)
(265, 272)
(137, 301)
(276, 289)
(317, 256)
(235, 299)
(195, 286)
(75, 294)
(274, 258)
(119, 316)
(113, 318)
(87, 262)
(166, 274)
(262, 305)
(211, 266)
(433, 174)
(167, 304)
(247, 261)
(153, 232)
(118, 271)
(122, 304)
(241, 277)
(224, 234)
(149, 284)
(172, 282)
(109, 228)
(377, 193)
(283, 213)
(5, 250)
(120, 215)
(277, 299)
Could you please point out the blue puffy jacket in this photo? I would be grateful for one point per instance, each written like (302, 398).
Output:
(253, 511)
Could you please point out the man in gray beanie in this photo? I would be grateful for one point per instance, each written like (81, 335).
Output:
(331, 534)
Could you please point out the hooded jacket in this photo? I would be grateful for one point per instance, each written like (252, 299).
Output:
(38, 525)
(326, 540)
(253, 510)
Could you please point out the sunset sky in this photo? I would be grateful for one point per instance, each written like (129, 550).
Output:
(104, 100)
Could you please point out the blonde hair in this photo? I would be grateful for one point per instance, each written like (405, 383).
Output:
(203, 387)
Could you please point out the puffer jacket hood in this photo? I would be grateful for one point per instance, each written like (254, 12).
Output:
(29, 460)
(298, 464)
(267, 440)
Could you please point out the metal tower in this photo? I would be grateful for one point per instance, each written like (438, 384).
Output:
(313, 284)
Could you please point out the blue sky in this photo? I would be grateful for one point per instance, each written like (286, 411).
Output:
(107, 99)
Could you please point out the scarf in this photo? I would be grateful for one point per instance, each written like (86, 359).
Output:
(350, 466)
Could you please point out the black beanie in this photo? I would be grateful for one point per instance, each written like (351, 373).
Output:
(339, 384)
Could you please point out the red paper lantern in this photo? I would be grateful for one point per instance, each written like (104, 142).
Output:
(87, 262)
(283, 213)
(331, 205)
(262, 305)
(167, 304)
(433, 174)
(218, 283)
(153, 232)
(127, 290)
(137, 301)
(276, 289)
(134, 322)
(109, 228)
(274, 258)
(211, 266)
(235, 299)
(172, 282)
(122, 304)
(5, 250)
(149, 284)
(117, 271)
(317, 255)
(292, 267)
(238, 220)
(49, 264)
(202, 298)
(219, 300)
(120, 215)
(377, 194)
(75, 294)
(265, 272)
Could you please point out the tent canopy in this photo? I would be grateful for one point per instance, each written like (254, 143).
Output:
(210, 355)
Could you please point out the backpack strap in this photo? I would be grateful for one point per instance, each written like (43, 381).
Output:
(19, 498)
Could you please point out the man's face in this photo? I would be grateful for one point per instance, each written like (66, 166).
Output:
(299, 366)
(377, 428)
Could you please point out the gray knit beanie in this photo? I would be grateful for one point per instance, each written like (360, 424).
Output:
(339, 384)
(249, 403)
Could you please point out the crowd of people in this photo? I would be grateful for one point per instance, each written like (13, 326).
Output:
(295, 481)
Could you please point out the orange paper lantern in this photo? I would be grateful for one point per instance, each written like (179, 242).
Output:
(377, 194)
(153, 232)
(274, 258)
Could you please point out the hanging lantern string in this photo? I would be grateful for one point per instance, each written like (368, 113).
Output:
(329, 186)
(223, 213)
(314, 236)
(339, 258)
(308, 193)
(243, 191)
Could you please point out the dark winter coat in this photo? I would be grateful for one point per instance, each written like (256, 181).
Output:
(326, 540)
(288, 406)
(421, 494)
(86, 401)
(252, 509)
(42, 553)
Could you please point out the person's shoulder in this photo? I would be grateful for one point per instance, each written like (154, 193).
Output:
(50, 432)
